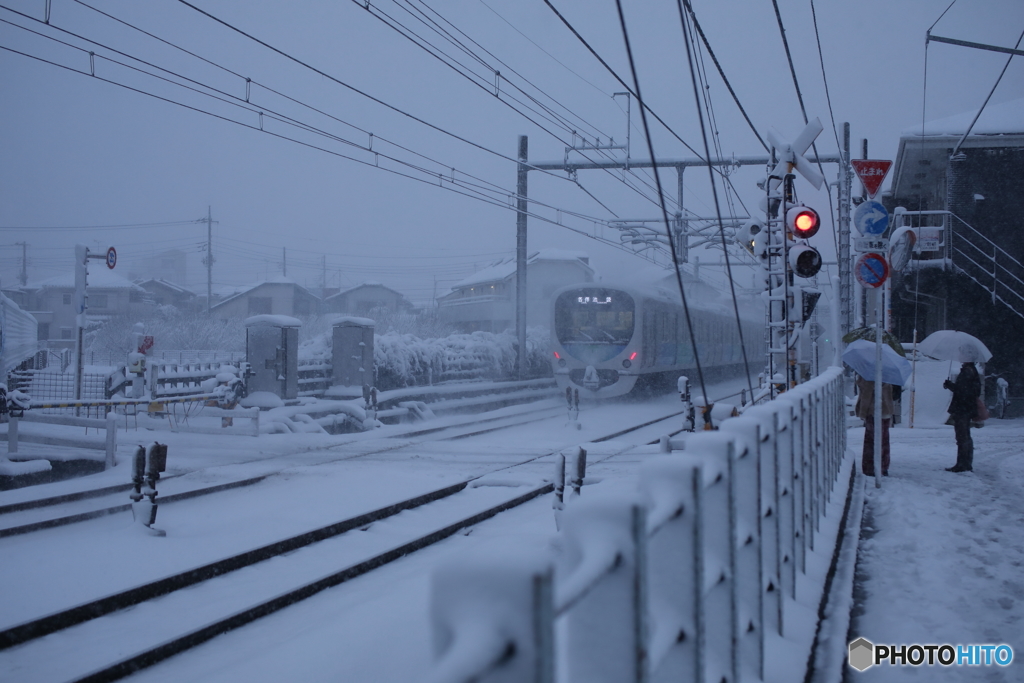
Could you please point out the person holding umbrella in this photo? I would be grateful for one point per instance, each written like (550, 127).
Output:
(861, 356)
(953, 345)
(865, 409)
(962, 410)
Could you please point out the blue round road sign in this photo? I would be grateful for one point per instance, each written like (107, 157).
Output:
(871, 218)
(871, 270)
(111, 258)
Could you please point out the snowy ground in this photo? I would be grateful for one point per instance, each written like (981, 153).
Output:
(940, 559)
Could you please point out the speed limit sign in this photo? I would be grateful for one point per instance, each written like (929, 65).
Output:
(111, 258)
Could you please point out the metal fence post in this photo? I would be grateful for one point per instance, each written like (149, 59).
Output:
(749, 573)
(12, 434)
(111, 445)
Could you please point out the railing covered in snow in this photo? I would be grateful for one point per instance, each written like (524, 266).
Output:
(687, 579)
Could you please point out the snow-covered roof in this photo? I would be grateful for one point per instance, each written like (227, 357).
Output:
(99, 278)
(996, 119)
(278, 280)
(267, 320)
(364, 284)
(164, 283)
(506, 268)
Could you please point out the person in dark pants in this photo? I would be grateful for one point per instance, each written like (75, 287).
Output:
(962, 411)
(865, 409)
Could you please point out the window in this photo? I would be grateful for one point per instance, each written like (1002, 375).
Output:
(135, 297)
(259, 305)
(43, 331)
(67, 333)
(98, 301)
(67, 299)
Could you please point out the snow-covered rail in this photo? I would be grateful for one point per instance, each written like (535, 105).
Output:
(691, 577)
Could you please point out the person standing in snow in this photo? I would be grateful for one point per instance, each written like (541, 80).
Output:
(962, 410)
(865, 409)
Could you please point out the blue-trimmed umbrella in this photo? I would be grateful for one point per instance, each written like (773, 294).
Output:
(860, 355)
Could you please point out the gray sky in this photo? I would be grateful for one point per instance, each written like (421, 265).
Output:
(77, 151)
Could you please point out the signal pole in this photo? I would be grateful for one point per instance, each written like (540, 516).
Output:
(209, 259)
(23, 278)
(521, 208)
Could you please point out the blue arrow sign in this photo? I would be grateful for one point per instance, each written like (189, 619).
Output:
(871, 218)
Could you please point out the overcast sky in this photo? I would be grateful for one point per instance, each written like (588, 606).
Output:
(77, 151)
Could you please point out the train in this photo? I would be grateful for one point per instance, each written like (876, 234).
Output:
(609, 341)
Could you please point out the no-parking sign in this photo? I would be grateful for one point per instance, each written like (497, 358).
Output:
(111, 258)
(871, 270)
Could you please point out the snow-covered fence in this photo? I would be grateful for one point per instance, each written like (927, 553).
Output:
(689, 578)
(108, 444)
(172, 379)
(314, 376)
(52, 385)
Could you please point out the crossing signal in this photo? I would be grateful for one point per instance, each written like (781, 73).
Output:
(803, 221)
(752, 236)
(805, 261)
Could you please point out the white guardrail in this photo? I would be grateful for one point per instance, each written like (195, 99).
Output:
(688, 579)
(108, 444)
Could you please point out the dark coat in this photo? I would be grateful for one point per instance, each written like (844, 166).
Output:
(966, 391)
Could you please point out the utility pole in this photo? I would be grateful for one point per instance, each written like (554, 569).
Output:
(323, 276)
(521, 209)
(284, 261)
(23, 278)
(843, 257)
(209, 259)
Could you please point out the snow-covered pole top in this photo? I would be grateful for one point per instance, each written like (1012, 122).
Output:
(272, 321)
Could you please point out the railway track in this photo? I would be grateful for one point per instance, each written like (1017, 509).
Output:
(35, 515)
(113, 636)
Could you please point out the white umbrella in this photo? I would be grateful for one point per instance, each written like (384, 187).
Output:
(860, 355)
(953, 345)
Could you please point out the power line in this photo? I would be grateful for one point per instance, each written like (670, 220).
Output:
(714, 191)
(664, 211)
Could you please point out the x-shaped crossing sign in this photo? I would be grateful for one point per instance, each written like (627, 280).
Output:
(791, 155)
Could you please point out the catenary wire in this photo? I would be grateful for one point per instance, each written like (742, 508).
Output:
(714, 191)
(664, 211)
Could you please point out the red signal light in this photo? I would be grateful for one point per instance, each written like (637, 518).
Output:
(803, 221)
(632, 356)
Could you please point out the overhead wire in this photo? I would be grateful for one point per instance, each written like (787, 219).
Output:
(434, 178)
(664, 211)
(803, 110)
(714, 192)
(344, 84)
(377, 12)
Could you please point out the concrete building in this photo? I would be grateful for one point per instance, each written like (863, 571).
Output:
(967, 215)
(51, 302)
(277, 296)
(362, 299)
(486, 300)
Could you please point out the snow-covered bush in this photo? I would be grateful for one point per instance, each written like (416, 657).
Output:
(406, 360)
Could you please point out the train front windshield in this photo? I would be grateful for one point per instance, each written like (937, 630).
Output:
(594, 325)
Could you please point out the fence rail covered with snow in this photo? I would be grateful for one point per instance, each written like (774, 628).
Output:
(689, 578)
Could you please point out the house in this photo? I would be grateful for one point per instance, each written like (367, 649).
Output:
(486, 300)
(362, 299)
(169, 265)
(167, 293)
(51, 302)
(966, 271)
(278, 296)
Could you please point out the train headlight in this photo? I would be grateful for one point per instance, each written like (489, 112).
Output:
(627, 363)
(561, 362)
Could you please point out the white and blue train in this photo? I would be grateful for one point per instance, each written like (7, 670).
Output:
(612, 340)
